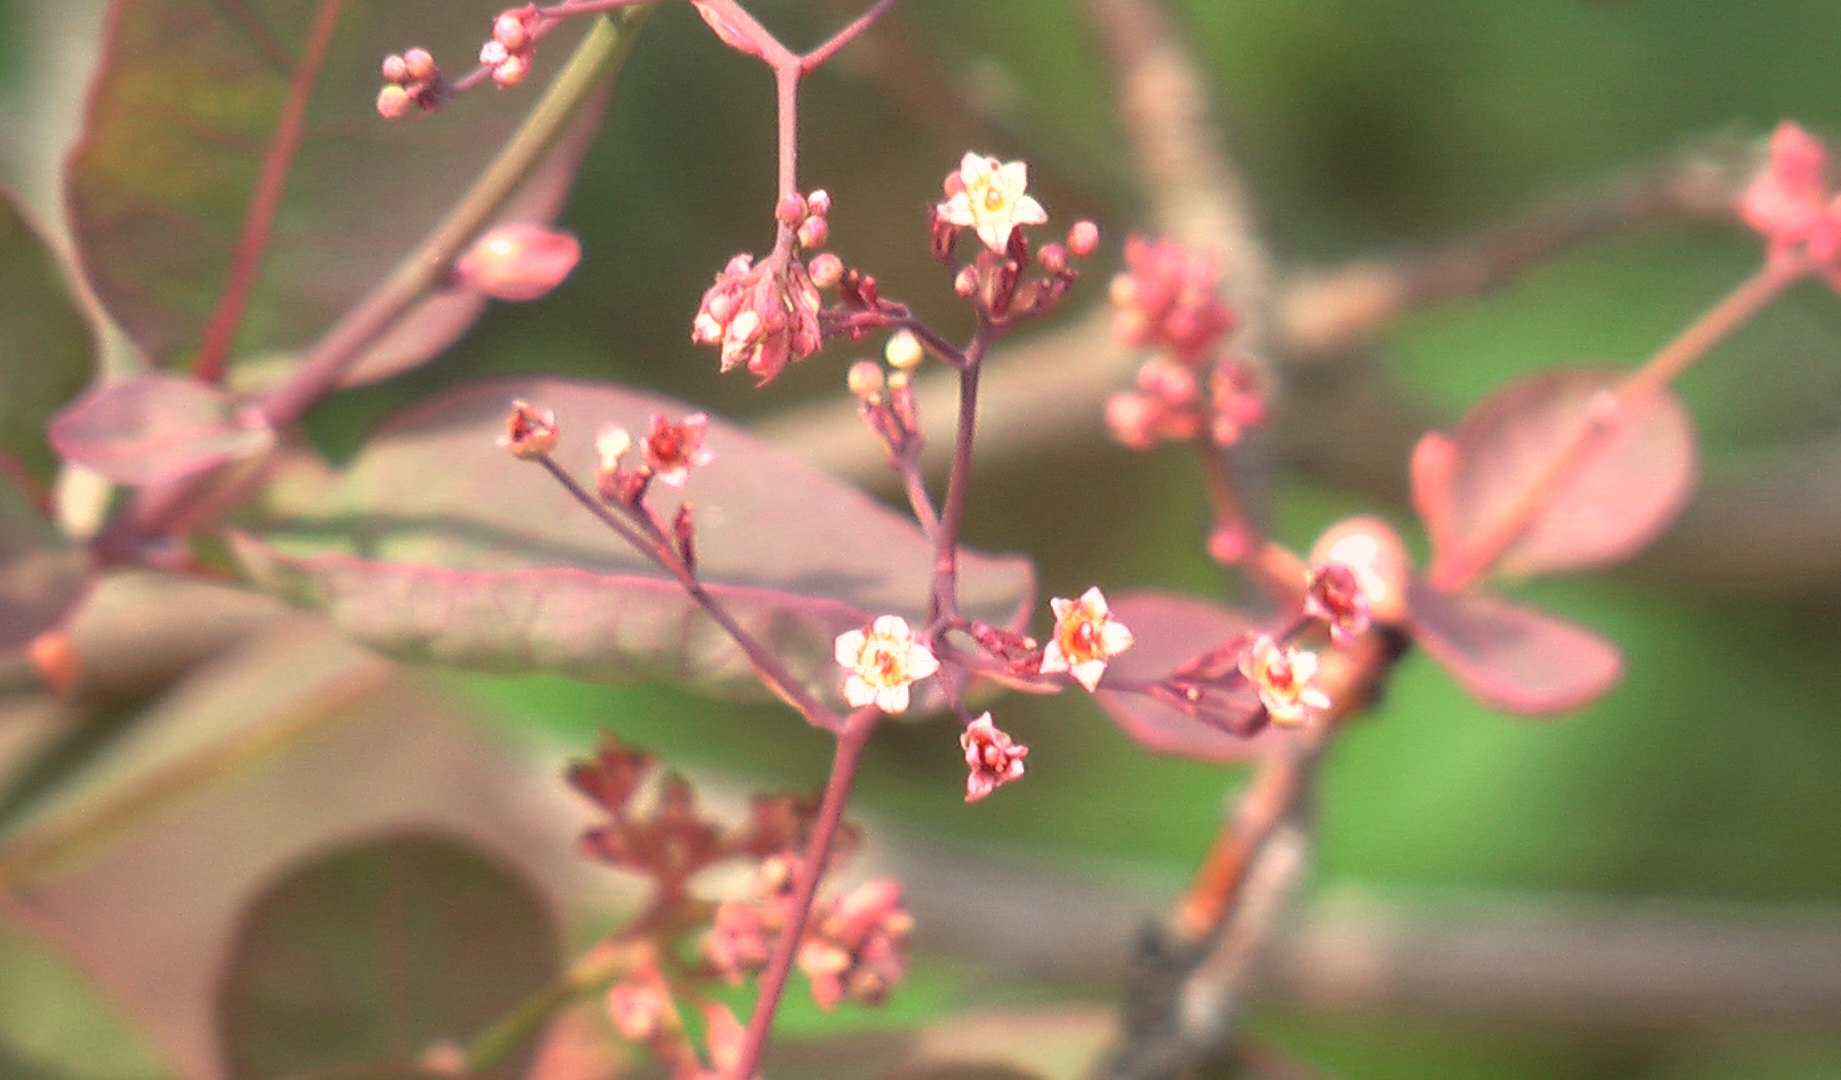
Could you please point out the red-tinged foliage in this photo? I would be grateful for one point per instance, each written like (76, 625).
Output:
(156, 428)
(1169, 631)
(48, 349)
(426, 929)
(1623, 472)
(1513, 657)
(184, 104)
(437, 545)
(42, 575)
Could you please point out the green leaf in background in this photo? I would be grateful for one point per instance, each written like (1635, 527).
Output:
(47, 346)
(373, 953)
(54, 1025)
(438, 545)
(180, 117)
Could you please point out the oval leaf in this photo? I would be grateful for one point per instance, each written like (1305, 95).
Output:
(1512, 657)
(437, 545)
(1607, 509)
(372, 954)
(47, 347)
(1168, 630)
(42, 574)
(155, 428)
(185, 103)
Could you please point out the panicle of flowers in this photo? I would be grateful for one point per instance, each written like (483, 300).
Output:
(992, 759)
(1283, 677)
(1168, 298)
(513, 46)
(989, 198)
(1791, 204)
(883, 659)
(855, 948)
(1085, 639)
(413, 85)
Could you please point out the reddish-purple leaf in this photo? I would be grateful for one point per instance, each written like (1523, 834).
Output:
(1635, 477)
(155, 428)
(42, 575)
(1513, 657)
(47, 346)
(182, 111)
(371, 954)
(1169, 630)
(438, 545)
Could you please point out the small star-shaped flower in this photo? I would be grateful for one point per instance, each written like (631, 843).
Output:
(1282, 676)
(992, 758)
(672, 450)
(1086, 637)
(883, 659)
(988, 196)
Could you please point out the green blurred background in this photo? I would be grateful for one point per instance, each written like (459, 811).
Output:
(1713, 772)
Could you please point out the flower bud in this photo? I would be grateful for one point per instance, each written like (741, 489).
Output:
(419, 65)
(813, 232)
(865, 379)
(903, 352)
(1083, 238)
(394, 103)
(790, 210)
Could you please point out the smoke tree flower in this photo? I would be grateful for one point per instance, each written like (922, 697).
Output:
(992, 759)
(1282, 676)
(989, 197)
(883, 659)
(530, 432)
(855, 947)
(1086, 637)
(763, 317)
(1789, 201)
(672, 450)
(1169, 298)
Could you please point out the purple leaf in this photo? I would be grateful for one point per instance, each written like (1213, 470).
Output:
(185, 102)
(1512, 657)
(155, 428)
(47, 349)
(423, 930)
(1613, 504)
(1169, 630)
(42, 575)
(437, 545)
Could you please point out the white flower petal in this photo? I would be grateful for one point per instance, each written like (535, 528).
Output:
(849, 647)
(891, 626)
(921, 662)
(1088, 673)
(892, 699)
(857, 692)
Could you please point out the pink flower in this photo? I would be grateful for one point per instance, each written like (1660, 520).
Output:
(1086, 637)
(763, 317)
(530, 432)
(518, 262)
(1337, 593)
(672, 450)
(1788, 201)
(988, 196)
(1282, 676)
(994, 760)
(856, 946)
(883, 658)
(1169, 298)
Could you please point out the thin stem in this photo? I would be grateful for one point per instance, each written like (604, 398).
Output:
(246, 261)
(1457, 568)
(786, 98)
(918, 498)
(952, 517)
(816, 58)
(844, 764)
(766, 666)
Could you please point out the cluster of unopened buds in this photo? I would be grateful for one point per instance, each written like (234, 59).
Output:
(1793, 205)
(1168, 299)
(764, 315)
(413, 85)
(513, 45)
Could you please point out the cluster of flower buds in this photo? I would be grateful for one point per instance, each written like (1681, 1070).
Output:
(1168, 299)
(990, 198)
(763, 316)
(855, 947)
(513, 45)
(885, 399)
(413, 86)
(1791, 202)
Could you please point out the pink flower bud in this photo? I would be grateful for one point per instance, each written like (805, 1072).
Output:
(865, 379)
(790, 210)
(518, 262)
(395, 69)
(818, 203)
(512, 70)
(419, 65)
(394, 103)
(1083, 238)
(530, 431)
(813, 232)
(827, 270)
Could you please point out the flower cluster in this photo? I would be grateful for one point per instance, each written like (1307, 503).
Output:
(855, 947)
(763, 316)
(1169, 299)
(1791, 204)
(513, 45)
(990, 198)
(413, 85)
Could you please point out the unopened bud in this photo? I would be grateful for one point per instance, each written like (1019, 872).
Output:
(512, 30)
(493, 53)
(419, 65)
(818, 203)
(518, 262)
(1083, 238)
(813, 232)
(394, 103)
(826, 270)
(790, 210)
(512, 70)
(903, 351)
(395, 69)
(684, 531)
(965, 282)
(1053, 258)
(865, 379)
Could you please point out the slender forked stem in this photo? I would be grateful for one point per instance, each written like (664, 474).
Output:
(945, 604)
(1458, 568)
(845, 762)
